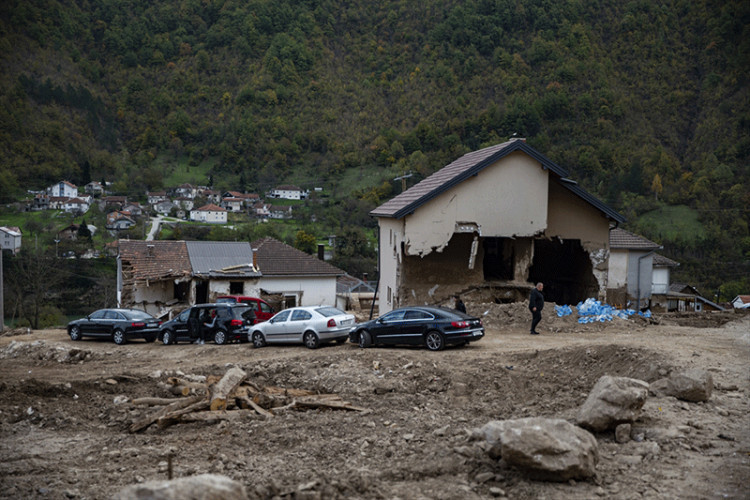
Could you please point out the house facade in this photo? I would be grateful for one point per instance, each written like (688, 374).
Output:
(10, 238)
(299, 279)
(63, 189)
(631, 269)
(494, 222)
(159, 276)
(209, 213)
(288, 192)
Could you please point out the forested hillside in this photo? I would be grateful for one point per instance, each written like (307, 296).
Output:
(645, 103)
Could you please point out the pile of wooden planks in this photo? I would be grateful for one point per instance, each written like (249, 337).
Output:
(230, 397)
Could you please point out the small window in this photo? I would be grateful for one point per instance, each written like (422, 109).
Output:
(265, 307)
(236, 287)
(282, 316)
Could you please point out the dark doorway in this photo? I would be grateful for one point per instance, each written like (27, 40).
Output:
(236, 287)
(498, 259)
(565, 269)
(201, 292)
(181, 290)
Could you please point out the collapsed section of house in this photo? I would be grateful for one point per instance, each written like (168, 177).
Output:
(494, 221)
(157, 276)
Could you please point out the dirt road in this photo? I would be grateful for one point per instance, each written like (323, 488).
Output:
(65, 411)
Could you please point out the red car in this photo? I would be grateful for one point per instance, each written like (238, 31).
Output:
(260, 307)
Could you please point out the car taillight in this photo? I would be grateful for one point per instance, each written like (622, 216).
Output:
(331, 323)
(459, 324)
(137, 325)
(236, 322)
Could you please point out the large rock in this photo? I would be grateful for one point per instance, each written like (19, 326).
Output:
(203, 487)
(612, 401)
(691, 385)
(545, 448)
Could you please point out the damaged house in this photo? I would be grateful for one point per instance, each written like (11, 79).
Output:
(157, 276)
(493, 222)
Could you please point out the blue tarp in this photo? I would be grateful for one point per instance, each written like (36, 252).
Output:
(592, 310)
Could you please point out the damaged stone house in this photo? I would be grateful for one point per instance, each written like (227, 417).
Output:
(494, 222)
(157, 276)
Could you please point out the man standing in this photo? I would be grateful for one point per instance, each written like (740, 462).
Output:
(459, 304)
(536, 304)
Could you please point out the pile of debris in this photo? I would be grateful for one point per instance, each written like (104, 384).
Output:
(230, 397)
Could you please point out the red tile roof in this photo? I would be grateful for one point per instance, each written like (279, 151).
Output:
(152, 260)
(619, 238)
(275, 258)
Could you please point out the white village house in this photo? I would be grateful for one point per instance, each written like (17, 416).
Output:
(209, 213)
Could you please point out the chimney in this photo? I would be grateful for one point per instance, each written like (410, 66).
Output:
(150, 250)
(321, 252)
(255, 258)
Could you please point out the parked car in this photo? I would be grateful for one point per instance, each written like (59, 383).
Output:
(233, 322)
(307, 325)
(263, 311)
(118, 324)
(433, 327)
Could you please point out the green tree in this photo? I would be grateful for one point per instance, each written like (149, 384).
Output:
(306, 242)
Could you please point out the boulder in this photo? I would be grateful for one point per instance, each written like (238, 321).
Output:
(612, 401)
(692, 385)
(544, 448)
(202, 487)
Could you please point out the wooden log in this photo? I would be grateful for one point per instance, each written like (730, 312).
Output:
(246, 402)
(217, 416)
(221, 390)
(146, 421)
(173, 417)
(153, 401)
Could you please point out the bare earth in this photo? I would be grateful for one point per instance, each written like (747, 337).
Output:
(65, 411)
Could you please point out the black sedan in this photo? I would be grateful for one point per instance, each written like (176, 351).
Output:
(117, 324)
(433, 327)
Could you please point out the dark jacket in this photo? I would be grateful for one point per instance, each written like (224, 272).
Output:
(536, 299)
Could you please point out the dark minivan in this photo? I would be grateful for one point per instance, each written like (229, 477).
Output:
(232, 323)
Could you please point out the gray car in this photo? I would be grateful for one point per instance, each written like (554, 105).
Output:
(304, 325)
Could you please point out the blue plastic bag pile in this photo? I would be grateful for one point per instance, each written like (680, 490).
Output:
(592, 310)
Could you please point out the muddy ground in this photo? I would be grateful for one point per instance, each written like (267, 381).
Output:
(65, 409)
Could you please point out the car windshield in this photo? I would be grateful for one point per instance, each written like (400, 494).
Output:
(329, 311)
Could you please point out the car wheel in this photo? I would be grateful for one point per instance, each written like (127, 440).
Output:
(118, 337)
(434, 341)
(220, 337)
(311, 340)
(75, 332)
(365, 339)
(167, 338)
(258, 340)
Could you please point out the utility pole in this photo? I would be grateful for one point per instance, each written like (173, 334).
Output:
(2, 298)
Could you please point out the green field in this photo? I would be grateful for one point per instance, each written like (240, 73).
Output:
(671, 223)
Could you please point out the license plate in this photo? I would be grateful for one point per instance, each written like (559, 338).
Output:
(151, 325)
(346, 322)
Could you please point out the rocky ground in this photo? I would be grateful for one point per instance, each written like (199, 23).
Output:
(66, 408)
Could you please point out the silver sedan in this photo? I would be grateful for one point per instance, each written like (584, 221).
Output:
(304, 325)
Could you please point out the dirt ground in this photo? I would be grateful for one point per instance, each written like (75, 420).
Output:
(65, 409)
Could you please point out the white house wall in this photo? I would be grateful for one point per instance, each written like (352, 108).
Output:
(391, 237)
(515, 187)
(660, 281)
(310, 291)
(217, 288)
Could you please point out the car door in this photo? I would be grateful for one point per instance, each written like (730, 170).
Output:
(298, 323)
(389, 328)
(90, 325)
(181, 324)
(413, 329)
(111, 319)
(275, 328)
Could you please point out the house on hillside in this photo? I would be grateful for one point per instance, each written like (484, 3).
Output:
(288, 192)
(741, 302)
(155, 197)
(119, 220)
(682, 297)
(631, 259)
(63, 189)
(232, 204)
(298, 278)
(494, 221)
(94, 188)
(660, 281)
(164, 207)
(209, 213)
(280, 212)
(185, 190)
(158, 276)
(10, 238)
